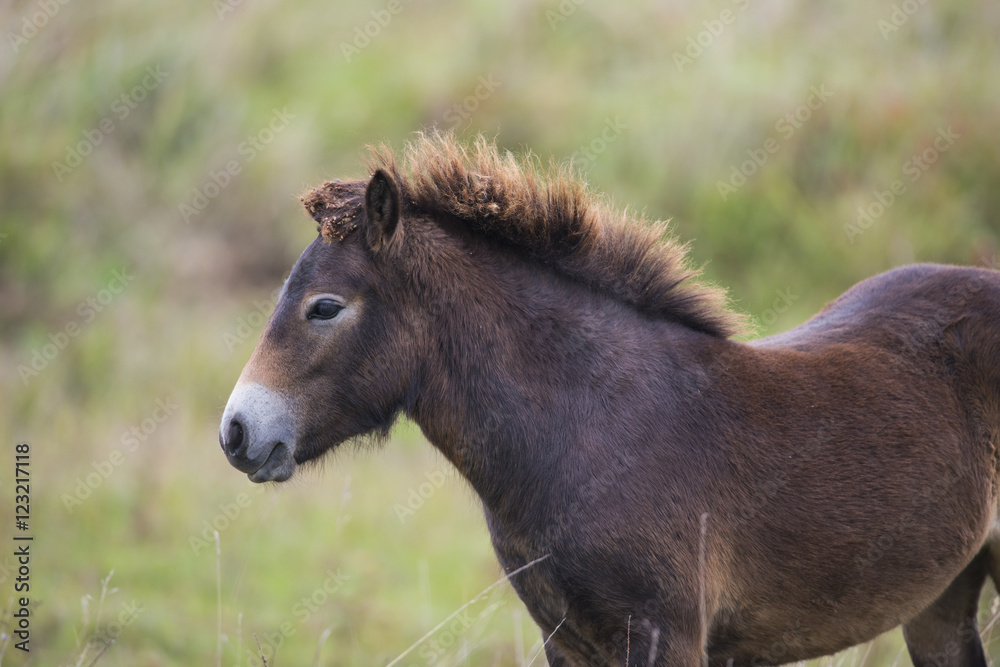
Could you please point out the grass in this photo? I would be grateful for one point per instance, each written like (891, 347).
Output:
(283, 568)
(561, 75)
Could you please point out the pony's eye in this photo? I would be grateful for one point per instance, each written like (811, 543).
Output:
(324, 309)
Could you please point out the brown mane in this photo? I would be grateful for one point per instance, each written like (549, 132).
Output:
(550, 216)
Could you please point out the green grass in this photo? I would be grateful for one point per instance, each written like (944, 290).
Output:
(562, 79)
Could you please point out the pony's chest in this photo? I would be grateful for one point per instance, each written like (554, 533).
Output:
(541, 586)
(552, 579)
(533, 575)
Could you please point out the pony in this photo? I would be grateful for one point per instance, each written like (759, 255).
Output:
(658, 491)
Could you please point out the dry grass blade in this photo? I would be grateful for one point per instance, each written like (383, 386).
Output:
(486, 590)
(218, 594)
(542, 647)
(260, 650)
(319, 645)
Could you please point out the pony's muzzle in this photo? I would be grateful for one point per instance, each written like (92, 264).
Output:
(257, 433)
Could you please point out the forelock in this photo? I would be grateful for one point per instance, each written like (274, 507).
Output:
(336, 207)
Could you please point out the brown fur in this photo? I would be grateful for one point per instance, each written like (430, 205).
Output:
(694, 499)
(549, 216)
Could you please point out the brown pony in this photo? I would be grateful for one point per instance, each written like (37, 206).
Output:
(683, 498)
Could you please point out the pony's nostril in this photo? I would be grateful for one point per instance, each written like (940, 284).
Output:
(234, 438)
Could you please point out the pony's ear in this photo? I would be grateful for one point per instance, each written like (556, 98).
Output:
(382, 207)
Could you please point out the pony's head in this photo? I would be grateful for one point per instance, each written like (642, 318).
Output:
(328, 364)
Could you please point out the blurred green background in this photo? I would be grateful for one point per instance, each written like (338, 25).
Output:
(151, 156)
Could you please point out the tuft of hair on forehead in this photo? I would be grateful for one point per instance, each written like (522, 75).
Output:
(336, 207)
(551, 217)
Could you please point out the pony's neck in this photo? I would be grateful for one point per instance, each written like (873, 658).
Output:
(479, 401)
(516, 353)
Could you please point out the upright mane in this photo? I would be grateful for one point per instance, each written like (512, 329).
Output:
(551, 217)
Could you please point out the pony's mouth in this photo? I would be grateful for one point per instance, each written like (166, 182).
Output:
(257, 433)
(278, 467)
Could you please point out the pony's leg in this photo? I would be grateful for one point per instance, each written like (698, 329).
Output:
(651, 646)
(945, 634)
(638, 644)
(663, 652)
(642, 654)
